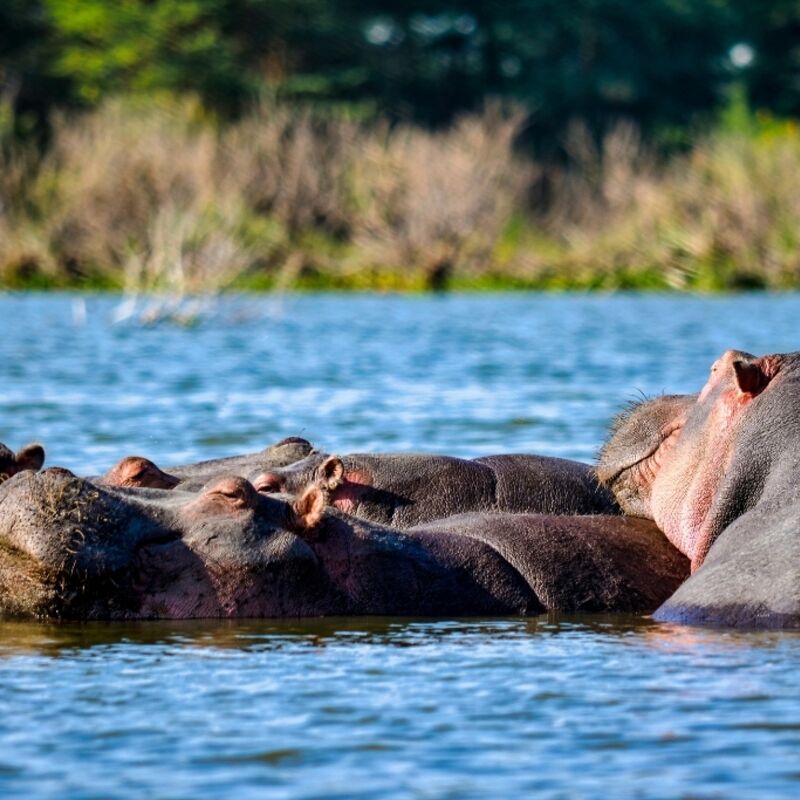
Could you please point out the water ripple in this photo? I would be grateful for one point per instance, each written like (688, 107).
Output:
(382, 708)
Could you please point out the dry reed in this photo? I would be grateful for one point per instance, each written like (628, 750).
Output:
(163, 198)
(437, 203)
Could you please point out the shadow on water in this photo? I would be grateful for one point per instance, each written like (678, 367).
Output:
(56, 639)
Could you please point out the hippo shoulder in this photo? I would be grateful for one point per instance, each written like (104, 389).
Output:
(751, 576)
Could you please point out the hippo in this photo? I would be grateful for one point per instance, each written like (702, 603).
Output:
(719, 473)
(137, 471)
(407, 489)
(29, 457)
(73, 549)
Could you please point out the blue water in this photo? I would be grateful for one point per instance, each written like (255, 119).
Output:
(552, 708)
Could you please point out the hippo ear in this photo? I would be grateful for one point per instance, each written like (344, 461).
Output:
(330, 473)
(751, 378)
(30, 457)
(308, 511)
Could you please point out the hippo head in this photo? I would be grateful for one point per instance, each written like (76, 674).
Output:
(29, 457)
(287, 451)
(138, 471)
(316, 469)
(70, 548)
(694, 463)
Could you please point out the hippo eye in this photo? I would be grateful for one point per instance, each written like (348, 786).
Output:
(267, 483)
(237, 493)
(231, 494)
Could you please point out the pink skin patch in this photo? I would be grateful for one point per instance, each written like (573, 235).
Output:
(350, 492)
(686, 487)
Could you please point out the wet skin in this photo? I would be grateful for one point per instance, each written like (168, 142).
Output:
(70, 548)
(719, 473)
(406, 489)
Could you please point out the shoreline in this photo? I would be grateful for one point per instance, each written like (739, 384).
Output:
(389, 283)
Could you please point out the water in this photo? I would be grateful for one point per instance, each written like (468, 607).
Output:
(556, 708)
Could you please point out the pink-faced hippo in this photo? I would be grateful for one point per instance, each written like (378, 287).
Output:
(719, 472)
(406, 489)
(73, 549)
(29, 457)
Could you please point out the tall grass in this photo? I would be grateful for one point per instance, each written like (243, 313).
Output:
(147, 198)
(139, 195)
(22, 248)
(725, 215)
(437, 204)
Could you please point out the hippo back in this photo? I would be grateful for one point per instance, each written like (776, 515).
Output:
(548, 485)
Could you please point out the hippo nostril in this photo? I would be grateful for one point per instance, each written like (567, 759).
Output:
(268, 482)
(135, 467)
(137, 471)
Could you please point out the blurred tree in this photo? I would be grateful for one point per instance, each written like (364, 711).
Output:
(659, 62)
(27, 78)
(145, 46)
(656, 61)
(309, 49)
(226, 51)
(767, 54)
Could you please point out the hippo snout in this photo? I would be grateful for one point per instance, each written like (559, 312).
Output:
(65, 543)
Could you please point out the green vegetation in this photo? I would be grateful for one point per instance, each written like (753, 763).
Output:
(656, 61)
(201, 145)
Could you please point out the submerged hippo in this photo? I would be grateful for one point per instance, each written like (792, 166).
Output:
(70, 548)
(137, 471)
(406, 489)
(29, 457)
(719, 472)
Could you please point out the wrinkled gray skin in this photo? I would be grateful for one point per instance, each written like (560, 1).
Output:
(136, 471)
(70, 548)
(721, 478)
(403, 490)
(286, 451)
(637, 436)
(29, 457)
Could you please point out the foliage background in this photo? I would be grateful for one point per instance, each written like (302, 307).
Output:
(363, 134)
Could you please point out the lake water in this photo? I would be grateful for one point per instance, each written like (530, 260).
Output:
(380, 708)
